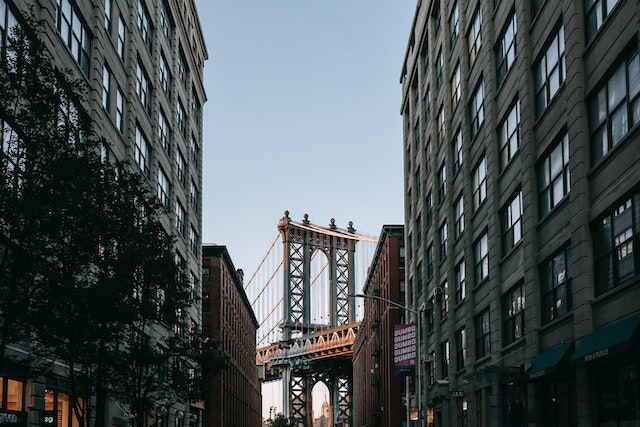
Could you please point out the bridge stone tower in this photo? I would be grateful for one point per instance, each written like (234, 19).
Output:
(301, 373)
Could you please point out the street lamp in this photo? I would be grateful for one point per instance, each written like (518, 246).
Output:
(417, 314)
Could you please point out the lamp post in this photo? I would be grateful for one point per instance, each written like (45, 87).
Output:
(417, 314)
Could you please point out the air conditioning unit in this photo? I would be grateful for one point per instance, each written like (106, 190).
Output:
(437, 290)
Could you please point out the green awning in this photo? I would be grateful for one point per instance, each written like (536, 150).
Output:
(551, 361)
(618, 337)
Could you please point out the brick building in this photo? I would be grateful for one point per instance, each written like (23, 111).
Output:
(522, 209)
(377, 392)
(227, 319)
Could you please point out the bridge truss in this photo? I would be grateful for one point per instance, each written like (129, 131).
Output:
(309, 325)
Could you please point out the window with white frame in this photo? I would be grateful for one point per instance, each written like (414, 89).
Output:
(183, 70)
(615, 108)
(181, 117)
(554, 176)
(7, 22)
(107, 15)
(476, 109)
(193, 240)
(506, 49)
(74, 33)
(512, 222)
(194, 149)
(445, 353)
(441, 124)
(165, 20)
(429, 207)
(442, 183)
(443, 234)
(479, 183)
(481, 258)
(165, 76)
(193, 194)
(475, 35)
(163, 188)
(509, 135)
(461, 349)
(142, 154)
(549, 72)
(439, 69)
(445, 300)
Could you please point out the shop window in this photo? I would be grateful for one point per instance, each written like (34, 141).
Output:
(60, 405)
(11, 394)
(618, 395)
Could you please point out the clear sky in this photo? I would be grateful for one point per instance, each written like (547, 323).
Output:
(303, 114)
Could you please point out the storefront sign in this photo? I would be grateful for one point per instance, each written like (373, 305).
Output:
(12, 418)
(596, 355)
(404, 349)
(457, 393)
(48, 418)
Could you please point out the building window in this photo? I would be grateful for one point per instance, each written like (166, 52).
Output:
(615, 235)
(597, 11)
(120, 110)
(459, 211)
(513, 304)
(483, 334)
(427, 105)
(550, 72)
(444, 306)
(12, 159)
(441, 124)
(165, 20)
(7, 22)
(506, 50)
(193, 195)
(615, 108)
(461, 348)
(431, 320)
(461, 286)
(194, 149)
(107, 15)
(454, 25)
(11, 392)
(121, 37)
(61, 405)
(445, 351)
(442, 183)
(439, 70)
(455, 88)
(418, 230)
(479, 183)
(181, 117)
(74, 33)
(512, 223)
(163, 131)
(193, 240)
(475, 35)
(554, 180)
(165, 76)
(106, 87)
(477, 109)
(180, 168)
(509, 135)
(429, 207)
(183, 71)
(142, 154)
(144, 24)
(179, 219)
(457, 151)
(442, 233)
(430, 268)
(416, 134)
(163, 188)
(481, 258)
(555, 278)
(142, 86)
(436, 15)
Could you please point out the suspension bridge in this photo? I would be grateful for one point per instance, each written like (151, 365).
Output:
(307, 320)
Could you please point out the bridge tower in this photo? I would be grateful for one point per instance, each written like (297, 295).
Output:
(300, 374)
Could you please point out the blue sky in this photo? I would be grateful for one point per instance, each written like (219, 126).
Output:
(302, 115)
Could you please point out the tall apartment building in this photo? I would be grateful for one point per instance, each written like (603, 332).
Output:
(142, 61)
(522, 209)
(378, 393)
(235, 396)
